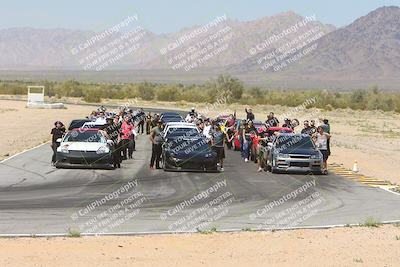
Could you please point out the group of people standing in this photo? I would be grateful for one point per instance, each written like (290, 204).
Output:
(123, 127)
(320, 134)
(222, 133)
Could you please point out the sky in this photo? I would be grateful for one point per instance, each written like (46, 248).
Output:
(165, 16)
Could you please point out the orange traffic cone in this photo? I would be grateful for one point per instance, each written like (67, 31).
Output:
(355, 166)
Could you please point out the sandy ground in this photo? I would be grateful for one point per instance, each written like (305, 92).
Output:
(357, 246)
(23, 128)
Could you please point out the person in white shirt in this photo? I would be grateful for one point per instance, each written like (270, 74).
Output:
(321, 141)
(207, 129)
(101, 119)
(189, 118)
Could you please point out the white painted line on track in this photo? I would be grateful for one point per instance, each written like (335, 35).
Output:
(318, 227)
(22, 152)
(390, 191)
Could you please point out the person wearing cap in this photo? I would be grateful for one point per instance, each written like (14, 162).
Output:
(156, 148)
(287, 124)
(193, 112)
(191, 116)
(57, 132)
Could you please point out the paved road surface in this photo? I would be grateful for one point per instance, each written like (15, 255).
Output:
(36, 198)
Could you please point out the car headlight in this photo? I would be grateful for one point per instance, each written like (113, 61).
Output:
(281, 155)
(208, 155)
(102, 150)
(63, 149)
(316, 156)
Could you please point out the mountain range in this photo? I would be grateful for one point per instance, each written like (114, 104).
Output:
(363, 53)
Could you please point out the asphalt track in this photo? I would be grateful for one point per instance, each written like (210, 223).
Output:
(36, 198)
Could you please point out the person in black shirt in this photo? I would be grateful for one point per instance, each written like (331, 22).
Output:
(248, 132)
(275, 121)
(287, 124)
(148, 123)
(272, 121)
(250, 114)
(112, 132)
(156, 141)
(57, 132)
(308, 129)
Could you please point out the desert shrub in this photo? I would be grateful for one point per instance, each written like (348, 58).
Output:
(92, 96)
(146, 91)
(168, 93)
(226, 85)
(212, 91)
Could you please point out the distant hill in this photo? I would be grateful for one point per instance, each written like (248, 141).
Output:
(365, 52)
(362, 54)
(28, 48)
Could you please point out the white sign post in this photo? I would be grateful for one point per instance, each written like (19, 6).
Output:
(36, 100)
(35, 97)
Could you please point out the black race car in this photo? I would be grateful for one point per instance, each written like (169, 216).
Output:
(188, 153)
(167, 119)
(77, 123)
(169, 114)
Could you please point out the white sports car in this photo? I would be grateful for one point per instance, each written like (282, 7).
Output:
(84, 148)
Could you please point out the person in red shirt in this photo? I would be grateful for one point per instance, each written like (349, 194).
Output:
(127, 138)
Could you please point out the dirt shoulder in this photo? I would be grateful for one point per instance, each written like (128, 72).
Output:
(357, 246)
(23, 128)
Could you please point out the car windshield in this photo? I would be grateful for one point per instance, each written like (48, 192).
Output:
(181, 131)
(77, 124)
(190, 144)
(294, 142)
(84, 136)
(172, 119)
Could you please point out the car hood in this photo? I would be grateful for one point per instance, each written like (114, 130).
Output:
(187, 153)
(299, 151)
(83, 146)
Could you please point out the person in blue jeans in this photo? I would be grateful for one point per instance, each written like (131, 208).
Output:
(248, 131)
(242, 125)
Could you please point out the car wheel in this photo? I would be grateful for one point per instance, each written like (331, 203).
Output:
(110, 167)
